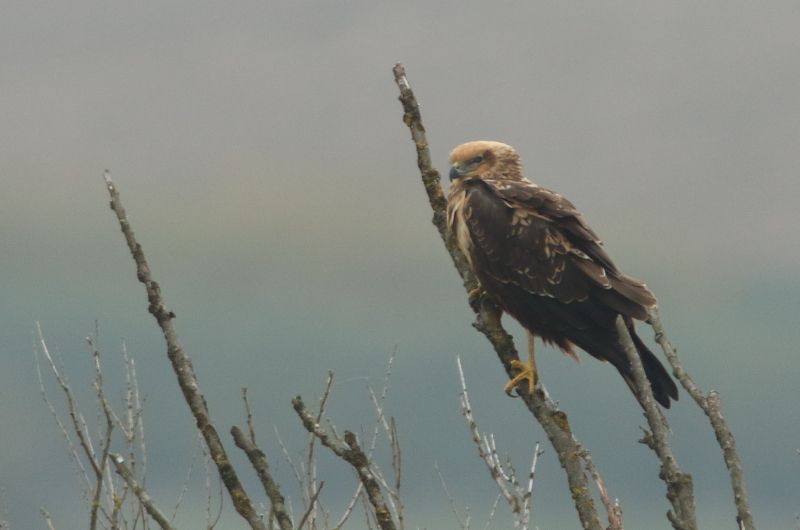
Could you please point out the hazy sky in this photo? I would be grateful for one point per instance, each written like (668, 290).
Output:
(260, 152)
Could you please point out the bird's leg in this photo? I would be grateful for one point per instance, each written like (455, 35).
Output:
(474, 297)
(527, 370)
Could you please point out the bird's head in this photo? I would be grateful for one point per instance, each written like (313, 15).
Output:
(485, 159)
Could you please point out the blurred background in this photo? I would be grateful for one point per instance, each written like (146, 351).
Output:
(260, 152)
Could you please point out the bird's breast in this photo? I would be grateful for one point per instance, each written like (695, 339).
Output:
(456, 211)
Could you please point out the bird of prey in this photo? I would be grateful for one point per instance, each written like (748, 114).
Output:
(536, 257)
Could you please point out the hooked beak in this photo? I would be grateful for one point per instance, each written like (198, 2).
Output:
(455, 172)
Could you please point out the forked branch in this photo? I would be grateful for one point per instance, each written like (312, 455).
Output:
(680, 490)
(712, 407)
(350, 451)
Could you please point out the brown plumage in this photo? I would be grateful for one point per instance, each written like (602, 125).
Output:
(534, 254)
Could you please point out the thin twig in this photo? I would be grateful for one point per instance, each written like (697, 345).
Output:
(311, 462)
(298, 477)
(390, 429)
(485, 450)
(712, 407)
(492, 512)
(105, 445)
(527, 505)
(141, 494)
(350, 506)
(397, 468)
(462, 523)
(72, 449)
(182, 366)
(312, 502)
(553, 421)
(613, 509)
(250, 429)
(679, 484)
(81, 430)
(187, 479)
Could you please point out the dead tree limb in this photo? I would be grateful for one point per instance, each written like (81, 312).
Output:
(182, 366)
(260, 464)
(680, 490)
(350, 451)
(553, 421)
(712, 407)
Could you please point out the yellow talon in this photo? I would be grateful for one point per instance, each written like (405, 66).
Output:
(474, 293)
(527, 371)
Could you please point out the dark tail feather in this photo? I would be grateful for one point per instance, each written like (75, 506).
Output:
(660, 381)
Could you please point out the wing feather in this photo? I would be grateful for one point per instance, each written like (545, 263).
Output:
(535, 239)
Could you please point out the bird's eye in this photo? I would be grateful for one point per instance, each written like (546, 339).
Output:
(476, 160)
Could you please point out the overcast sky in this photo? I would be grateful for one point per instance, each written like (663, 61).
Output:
(260, 152)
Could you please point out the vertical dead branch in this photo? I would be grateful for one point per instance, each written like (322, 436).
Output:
(712, 407)
(182, 366)
(680, 491)
(553, 421)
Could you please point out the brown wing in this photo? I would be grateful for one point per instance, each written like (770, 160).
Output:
(534, 238)
(534, 253)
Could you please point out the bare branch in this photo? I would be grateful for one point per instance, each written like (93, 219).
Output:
(350, 452)
(527, 506)
(679, 484)
(77, 424)
(259, 461)
(81, 429)
(289, 460)
(182, 366)
(105, 445)
(310, 491)
(553, 421)
(390, 429)
(137, 403)
(712, 407)
(140, 492)
(485, 449)
(72, 449)
(397, 469)
(519, 498)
